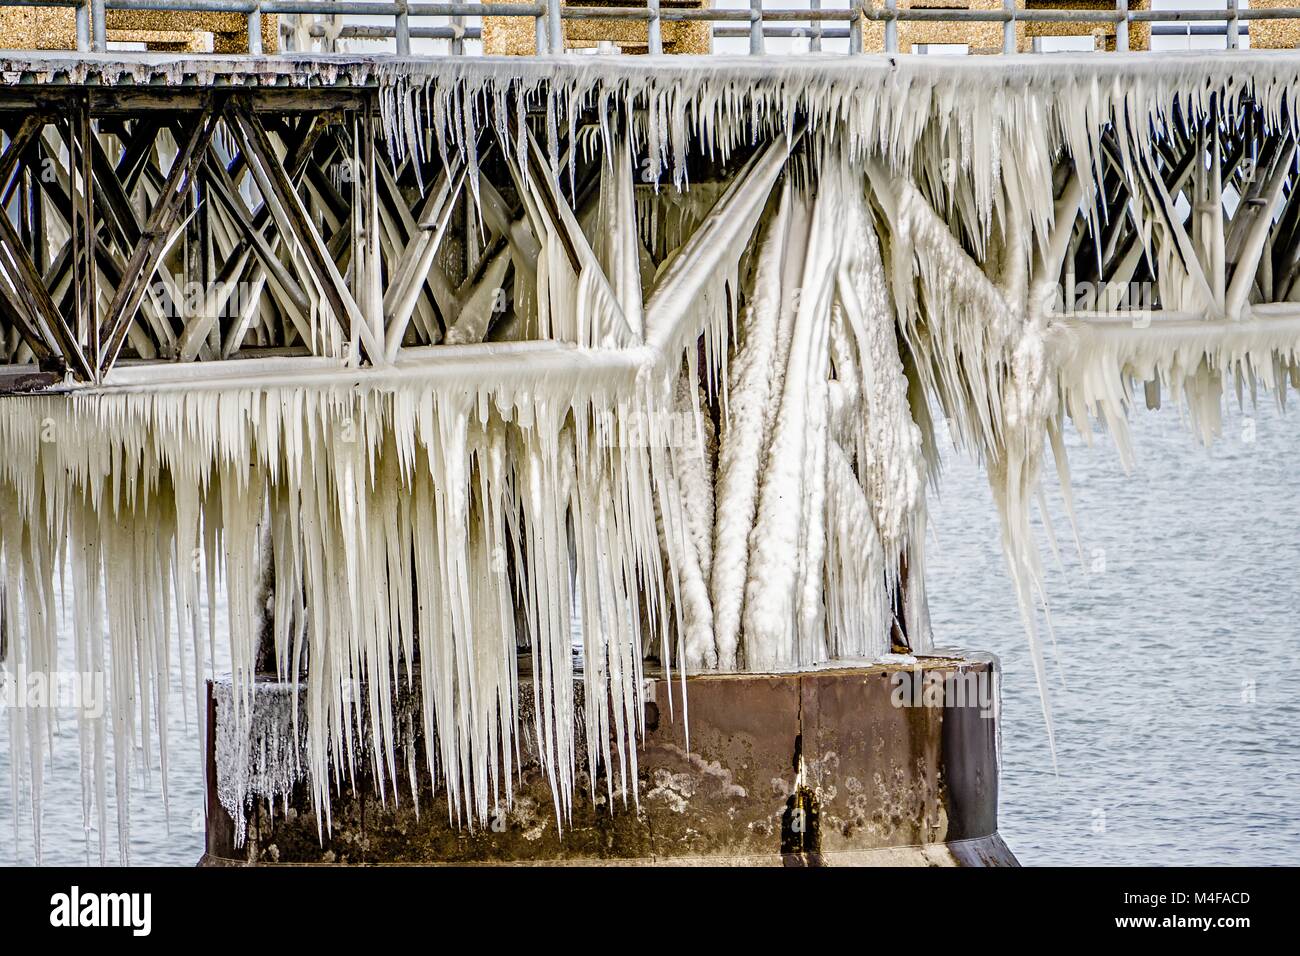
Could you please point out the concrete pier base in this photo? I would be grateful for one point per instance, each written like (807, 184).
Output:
(875, 765)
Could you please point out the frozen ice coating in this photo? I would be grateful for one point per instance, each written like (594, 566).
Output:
(698, 438)
(261, 756)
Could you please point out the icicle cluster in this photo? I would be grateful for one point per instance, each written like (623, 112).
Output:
(400, 527)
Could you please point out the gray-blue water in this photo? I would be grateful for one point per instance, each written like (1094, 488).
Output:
(1175, 684)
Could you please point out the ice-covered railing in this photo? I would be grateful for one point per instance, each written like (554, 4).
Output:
(756, 22)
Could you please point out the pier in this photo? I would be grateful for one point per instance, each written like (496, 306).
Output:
(544, 436)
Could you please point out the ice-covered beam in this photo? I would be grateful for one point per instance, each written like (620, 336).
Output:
(710, 254)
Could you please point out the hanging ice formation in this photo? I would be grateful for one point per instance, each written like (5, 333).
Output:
(714, 451)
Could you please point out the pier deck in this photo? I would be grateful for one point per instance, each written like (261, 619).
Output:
(281, 189)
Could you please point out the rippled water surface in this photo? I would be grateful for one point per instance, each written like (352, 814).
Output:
(1174, 685)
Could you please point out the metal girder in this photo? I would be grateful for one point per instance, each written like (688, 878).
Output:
(294, 219)
(156, 237)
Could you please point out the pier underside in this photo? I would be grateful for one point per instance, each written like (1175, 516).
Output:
(244, 199)
(421, 364)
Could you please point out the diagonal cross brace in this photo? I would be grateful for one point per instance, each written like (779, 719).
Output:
(294, 220)
(154, 241)
(417, 259)
(21, 272)
(18, 143)
(30, 300)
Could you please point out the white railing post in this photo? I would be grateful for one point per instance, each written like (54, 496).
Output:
(1121, 27)
(815, 43)
(457, 36)
(1234, 26)
(891, 27)
(756, 27)
(97, 32)
(1009, 27)
(83, 26)
(654, 30)
(402, 29)
(539, 27)
(555, 26)
(855, 30)
(255, 31)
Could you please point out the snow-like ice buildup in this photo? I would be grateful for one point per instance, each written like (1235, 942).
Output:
(715, 459)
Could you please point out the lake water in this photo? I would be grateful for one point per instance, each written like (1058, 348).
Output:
(1174, 685)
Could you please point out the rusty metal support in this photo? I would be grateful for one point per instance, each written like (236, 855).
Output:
(788, 763)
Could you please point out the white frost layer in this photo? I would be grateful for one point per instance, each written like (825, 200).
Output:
(981, 108)
(262, 757)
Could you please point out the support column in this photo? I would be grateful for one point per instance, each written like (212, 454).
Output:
(882, 765)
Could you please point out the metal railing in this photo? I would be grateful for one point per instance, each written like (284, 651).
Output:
(548, 16)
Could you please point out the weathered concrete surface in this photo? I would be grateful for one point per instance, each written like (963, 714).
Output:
(840, 766)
